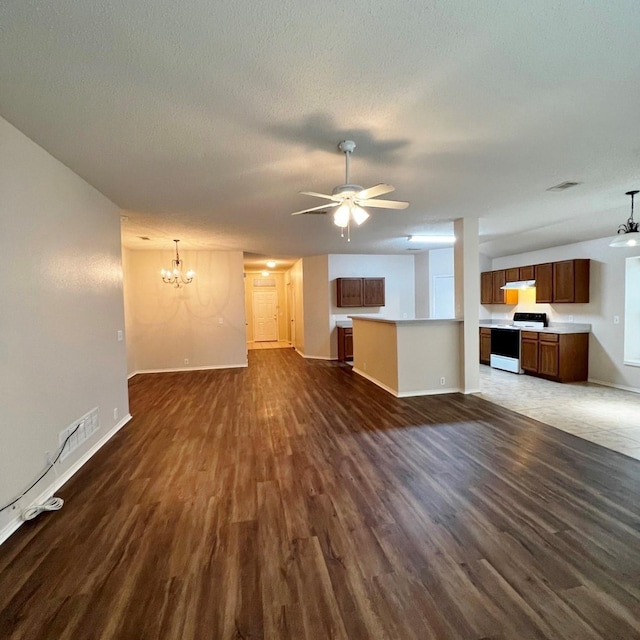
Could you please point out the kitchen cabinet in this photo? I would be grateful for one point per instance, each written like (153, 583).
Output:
(529, 351)
(373, 292)
(544, 282)
(571, 281)
(486, 287)
(499, 280)
(512, 275)
(349, 292)
(560, 357)
(485, 345)
(360, 292)
(528, 273)
(345, 343)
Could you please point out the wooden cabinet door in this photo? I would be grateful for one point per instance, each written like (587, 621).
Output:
(486, 287)
(348, 344)
(549, 363)
(512, 275)
(485, 345)
(349, 292)
(563, 281)
(527, 273)
(499, 280)
(373, 292)
(544, 282)
(529, 355)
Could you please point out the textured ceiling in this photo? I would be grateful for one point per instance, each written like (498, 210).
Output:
(203, 120)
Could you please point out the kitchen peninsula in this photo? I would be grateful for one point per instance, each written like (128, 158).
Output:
(409, 357)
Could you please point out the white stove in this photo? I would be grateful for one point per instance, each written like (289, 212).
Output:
(505, 340)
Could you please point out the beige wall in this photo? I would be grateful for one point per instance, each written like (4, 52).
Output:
(62, 309)
(203, 322)
(375, 352)
(294, 277)
(606, 343)
(280, 289)
(316, 307)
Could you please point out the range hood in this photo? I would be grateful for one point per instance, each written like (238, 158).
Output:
(520, 284)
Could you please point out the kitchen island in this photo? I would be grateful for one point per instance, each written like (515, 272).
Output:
(409, 357)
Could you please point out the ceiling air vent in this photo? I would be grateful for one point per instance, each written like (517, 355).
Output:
(564, 185)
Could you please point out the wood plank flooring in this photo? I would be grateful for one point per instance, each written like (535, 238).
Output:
(295, 500)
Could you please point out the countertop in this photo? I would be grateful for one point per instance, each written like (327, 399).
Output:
(406, 321)
(557, 327)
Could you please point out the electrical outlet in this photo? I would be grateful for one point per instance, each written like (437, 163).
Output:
(616, 319)
(186, 360)
(442, 381)
(115, 413)
(569, 318)
(120, 335)
(364, 366)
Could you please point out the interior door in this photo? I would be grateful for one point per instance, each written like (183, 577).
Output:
(265, 316)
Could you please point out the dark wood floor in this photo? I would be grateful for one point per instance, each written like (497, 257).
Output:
(295, 500)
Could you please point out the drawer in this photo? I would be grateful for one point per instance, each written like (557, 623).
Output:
(529, 335)
(549, 337)
(348, 331)
(485, 331)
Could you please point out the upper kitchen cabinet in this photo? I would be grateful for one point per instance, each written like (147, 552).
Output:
(544, 282)
(373, 292)
(486, 287)
(512, 275)
(528, 273)
(360, 292)
(571, 281)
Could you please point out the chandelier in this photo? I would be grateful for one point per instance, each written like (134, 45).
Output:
(627, 233)
(174, 275)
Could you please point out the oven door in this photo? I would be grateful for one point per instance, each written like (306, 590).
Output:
(505, 349)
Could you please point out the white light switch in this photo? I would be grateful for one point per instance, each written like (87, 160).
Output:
(220, 320)
(120, 335)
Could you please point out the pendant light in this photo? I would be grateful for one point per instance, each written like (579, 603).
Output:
(174, 275)
(628, 235)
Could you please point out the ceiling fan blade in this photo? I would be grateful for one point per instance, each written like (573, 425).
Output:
(375, 191)
(328, 205)
(315, 194)
(384, 204)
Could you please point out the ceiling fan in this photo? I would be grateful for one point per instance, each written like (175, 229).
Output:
(348, 199)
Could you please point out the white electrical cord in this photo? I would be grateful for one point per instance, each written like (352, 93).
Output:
(52, 504)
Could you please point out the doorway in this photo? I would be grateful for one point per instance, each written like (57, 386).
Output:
(265, 316)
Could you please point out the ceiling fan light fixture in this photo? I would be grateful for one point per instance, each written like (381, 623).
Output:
(341, 216)
(628, 233)
(359, 215)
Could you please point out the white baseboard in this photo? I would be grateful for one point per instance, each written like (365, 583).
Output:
(304, 355)
(13, 525)
(405, 394)
(615, 386)
(178, 369)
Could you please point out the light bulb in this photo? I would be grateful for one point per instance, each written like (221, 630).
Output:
(190, 274)
(341, 216)
(271, 264)
(359, 215)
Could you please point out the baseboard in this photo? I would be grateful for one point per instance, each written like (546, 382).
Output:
(13, 525)
(179, 369)
(407, 394)
(615, 386)
(304, 355)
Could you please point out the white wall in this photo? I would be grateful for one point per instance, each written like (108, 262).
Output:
(440, 265)
(421, 275)
(399, 274)
(63, 306)
(203, 322)
(607, 299)
(294, 279)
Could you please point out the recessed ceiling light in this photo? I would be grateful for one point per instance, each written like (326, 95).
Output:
(265, 273)
(433, 239)
(271, 264)
(564, 185)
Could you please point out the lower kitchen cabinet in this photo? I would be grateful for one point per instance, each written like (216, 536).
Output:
(562, 357)
(529, 351)
(345, 343)
(485, 345)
